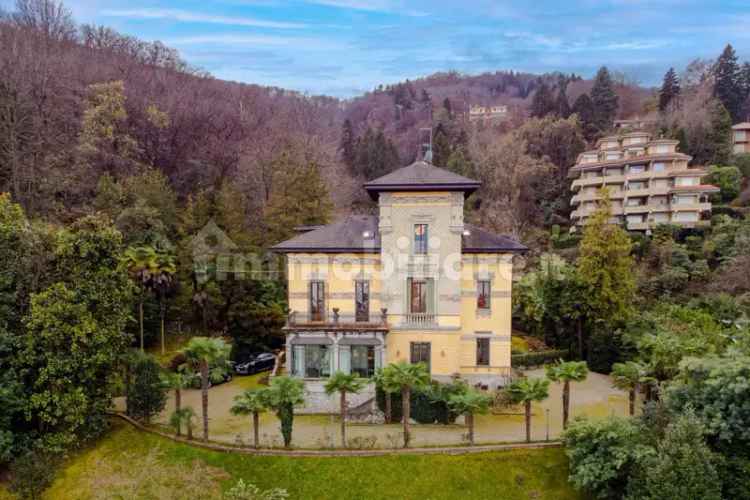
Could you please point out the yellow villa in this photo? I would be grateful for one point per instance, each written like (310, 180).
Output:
(414, 283)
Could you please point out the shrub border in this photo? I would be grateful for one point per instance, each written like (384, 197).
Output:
(446, 450)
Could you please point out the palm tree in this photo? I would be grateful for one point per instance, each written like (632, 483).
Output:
(380, 384)
(629, 377)
(343, 383)
(251, 402)
(178, 381)
(202, 353)
(182, 416)
(282, 395)
(405, 377)
(140, 262)
(525, 391)
(470, 403)
(162, 283)
(566, 372)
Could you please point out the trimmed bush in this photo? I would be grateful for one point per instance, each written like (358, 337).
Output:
(538, 358)
(147, 394)
(31, 474)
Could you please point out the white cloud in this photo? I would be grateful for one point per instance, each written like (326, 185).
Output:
(298, 43)
(371, 6)
(197, 17)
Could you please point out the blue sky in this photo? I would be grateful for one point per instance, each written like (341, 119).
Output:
(346, 47)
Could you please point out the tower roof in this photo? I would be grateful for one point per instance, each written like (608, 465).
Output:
(421, 176)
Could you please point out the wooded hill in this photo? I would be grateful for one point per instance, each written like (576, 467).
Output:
(78, 102)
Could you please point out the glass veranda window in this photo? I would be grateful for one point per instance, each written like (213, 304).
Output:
(312, 361)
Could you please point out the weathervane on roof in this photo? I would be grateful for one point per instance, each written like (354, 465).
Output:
(427, 146)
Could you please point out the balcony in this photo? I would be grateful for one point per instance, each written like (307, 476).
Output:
(420, 319)
(335, 320)
(637, 209)
(587, 181)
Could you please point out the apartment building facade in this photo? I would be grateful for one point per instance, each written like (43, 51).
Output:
(413, 283)
(648, 180)
(741, 138)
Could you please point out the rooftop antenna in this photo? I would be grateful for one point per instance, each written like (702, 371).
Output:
(427, 147)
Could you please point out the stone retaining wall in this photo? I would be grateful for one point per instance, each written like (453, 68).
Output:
(448, 450)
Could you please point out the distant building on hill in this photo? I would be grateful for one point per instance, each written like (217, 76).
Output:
(634, 123)
(481, 113)
(648, 180)
(741, 138)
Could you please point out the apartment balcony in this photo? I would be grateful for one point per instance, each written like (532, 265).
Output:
(690, 207)
(637, 209)
(632, 193)
(640, 176)
(637, 226)
(587, 181)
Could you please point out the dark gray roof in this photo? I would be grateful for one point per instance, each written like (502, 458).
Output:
(477, 240)
(421, 176)
(347, 235)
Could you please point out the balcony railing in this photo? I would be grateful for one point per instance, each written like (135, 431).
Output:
(336, 319)
(420, 319)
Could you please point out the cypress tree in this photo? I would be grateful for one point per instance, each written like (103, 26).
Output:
(727, 85)
(604, 99)
(670, 90)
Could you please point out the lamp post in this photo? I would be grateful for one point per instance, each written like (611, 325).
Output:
(547, 412)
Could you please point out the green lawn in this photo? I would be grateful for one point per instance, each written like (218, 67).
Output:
(130, 464)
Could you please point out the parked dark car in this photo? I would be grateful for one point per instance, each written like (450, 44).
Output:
(255, 364)
(215, 377)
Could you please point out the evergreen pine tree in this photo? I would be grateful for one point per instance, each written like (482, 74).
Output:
(448, 107)
(542, 103)
(347, 144)
(727, 85)
(670, 90)
(604, 99)
(719, 138)
(562, 106)
(441, 146)
(299, 198)
(745, 86)
(605, 265)
(584, 108)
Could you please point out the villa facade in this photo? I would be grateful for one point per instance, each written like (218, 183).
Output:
(648, 180)
(413, 283)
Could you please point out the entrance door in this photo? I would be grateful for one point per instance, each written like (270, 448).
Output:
(420, 353)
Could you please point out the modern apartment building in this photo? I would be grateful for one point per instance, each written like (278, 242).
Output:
(648, 180)
(413, 283)
(741, 138)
